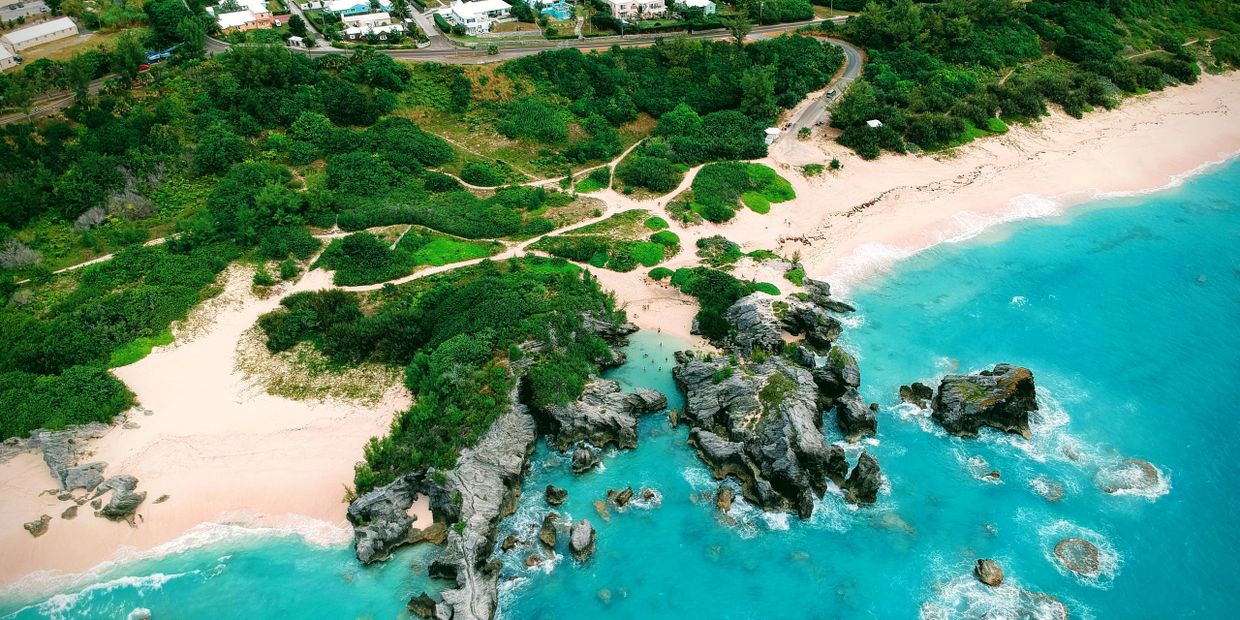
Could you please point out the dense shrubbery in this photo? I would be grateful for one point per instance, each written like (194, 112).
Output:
(362, 258)
(453, 333)
(718, 188)
(715, 291)
(939, 74)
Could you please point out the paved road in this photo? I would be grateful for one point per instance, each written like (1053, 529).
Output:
(816, 112)
(10, 11)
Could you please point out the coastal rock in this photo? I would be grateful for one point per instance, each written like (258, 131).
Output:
(864, 482)
(988, 572)
(555, 495)
(1000, 398)
(838, 375)
(161, 499)
(918, 394)
(487, 481)
(609, 330)
(604, 414)
(1079, 556)
(435, 534)
(723, 498)
(381, 518)
(87, 477)
(820, 329)
(510, 542)
(621, 497)
(38, 527)
(1051, 490)
(69, 513)
(1128, 476)
(584, 459)
(442, 570)
(600, 507)
(533, 560)
(581, 540)
(853, 417)
(422, 606)
(547, 534)
(760, 422)
(757, 329)
(60, 448)
(124, 500)
(819, 292)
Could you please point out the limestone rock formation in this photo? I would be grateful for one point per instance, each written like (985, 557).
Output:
(581, 540)
(854, 418)
(1079, 556)
(547, 534)
(555, 495)
(584, 459)
(604, 414)
(124, 500)
(38, 527)
(422, 606)
(757, 329)
(918, 394)
(1000, 398)
(621, 497)
(819, 292)
(864, 482)
(760, 422)
(988, 572)
(87, 477)
(820, 328)
(381, 518)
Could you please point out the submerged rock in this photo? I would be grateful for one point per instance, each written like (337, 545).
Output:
(723, 498)
(603, 414)
(555, 495)
(864, 482)
(761, 423)
(547, 534)
(422, 606)
(1079, 556)
(1001, 398)
(581, 540)
(1050, 490)
(584, 459)
(533, 560)
(1128, 476)
(510, 542)
(621, 497)
(918, 394)
(124, 501)
(988, 572)
(38, 527)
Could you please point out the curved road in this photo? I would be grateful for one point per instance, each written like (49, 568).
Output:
(816, 112)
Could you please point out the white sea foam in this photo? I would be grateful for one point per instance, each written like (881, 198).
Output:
(966, 597)
(1109, 559)
(1019, 301)
(64, 605)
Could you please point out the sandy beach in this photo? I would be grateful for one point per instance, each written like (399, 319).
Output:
(226, 452)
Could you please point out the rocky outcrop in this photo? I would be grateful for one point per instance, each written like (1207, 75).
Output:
(607, 329)
(584, 459)
(724, 498)
(124, 500)
(621, 497)
(381, 518)
(548, 533)
(988, 572)
(482, 489)
(819, 292)
(60, 451)
(1048, 488)
(555, 495)
(863, 483)
(918, 394)
(1128, 476)
(422, 606)
(1000, 398)
(854, 418)
(820, 329)
(761, 424)
(87, 477)
(581, 540)
(1079, 556)
(604, 414)
(757, 329)
(38, 527)
(836, 373)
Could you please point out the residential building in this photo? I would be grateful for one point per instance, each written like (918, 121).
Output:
(354, 7)
(44, 32)
(477, 17)
(7, 59)
(361, 26)
(708, 7)
(557, 9)
(637, 10)
(254, 15)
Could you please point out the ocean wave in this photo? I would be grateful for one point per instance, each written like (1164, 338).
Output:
(1108, 559)
(66, 605)
(964, 596)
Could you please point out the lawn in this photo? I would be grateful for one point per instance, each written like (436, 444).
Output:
(66, 49)
(619, 243)
(719, 187)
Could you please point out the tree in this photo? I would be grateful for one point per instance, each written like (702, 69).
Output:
(311, 127)
(193, 38)
(297, 26)
(129, 55)
(739, 25)
(218, 149)
(461, 93)
(758, 93)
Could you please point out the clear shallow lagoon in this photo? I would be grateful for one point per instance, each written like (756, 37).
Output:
(1128, 312)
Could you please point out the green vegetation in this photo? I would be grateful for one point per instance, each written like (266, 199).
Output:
(940, 73)
(718, 188)
(795, 275)
(812, 170)
(362, 258)
(715, 291)
(660, 273)
(615, 243)
(453, 333)
(656, 223)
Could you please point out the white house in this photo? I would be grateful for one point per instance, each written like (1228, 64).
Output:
(353, 7)
(44, 32)
(874, 123)
(708, 7)
(7, 59)
(477, 17)
(636, 10)
(254, 15)
(361, 26)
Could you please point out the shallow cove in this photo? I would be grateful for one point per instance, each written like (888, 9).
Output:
(1126, 310)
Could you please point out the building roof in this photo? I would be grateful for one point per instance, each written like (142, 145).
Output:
(335, 6)
(39, 30)
(366, 18)
(5, 53)
(699, 4)
(479, 7)
(235, 19)
(253, 6)
(874, 122)
(375, 29)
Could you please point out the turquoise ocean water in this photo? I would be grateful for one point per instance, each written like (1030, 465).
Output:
(1128, 312)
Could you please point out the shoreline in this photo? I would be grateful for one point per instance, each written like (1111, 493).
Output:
(230, 455)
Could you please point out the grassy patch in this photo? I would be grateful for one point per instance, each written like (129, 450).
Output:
(718, 188)
(587, 185)
(795, 276)
(139, 348)
(656, 223)
(617, 243)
